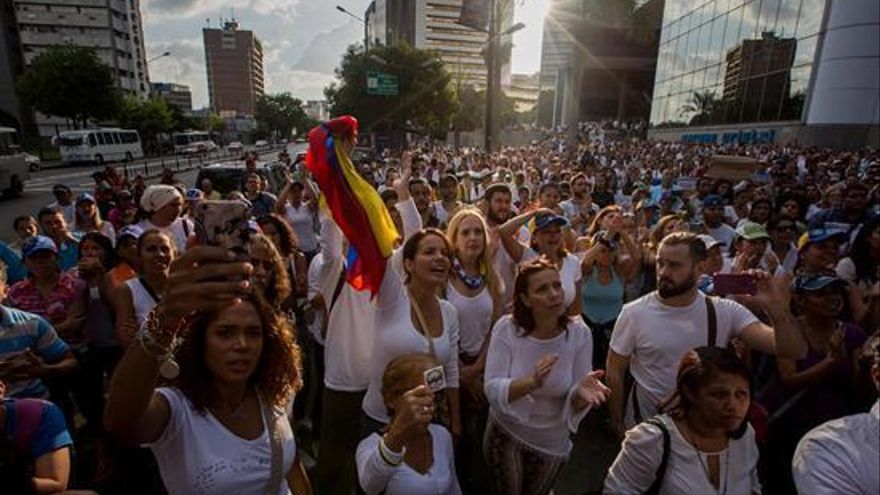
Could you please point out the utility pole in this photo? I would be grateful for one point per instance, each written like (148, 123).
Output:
(492, 83)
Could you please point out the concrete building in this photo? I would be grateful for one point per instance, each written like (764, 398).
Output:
(317, 109)
(524, 90)
(178, 95)
(433, 25)
(112, 27)
(775, 71)
(234, 64)
(557, 42)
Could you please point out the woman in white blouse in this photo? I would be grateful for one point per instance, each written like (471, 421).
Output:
(711, 445)
(411, 456)
(539, 383)
(548, 242)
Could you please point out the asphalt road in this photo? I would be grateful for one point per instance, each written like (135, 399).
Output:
(38, 190)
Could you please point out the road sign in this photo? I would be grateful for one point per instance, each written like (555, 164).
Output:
(381, 84)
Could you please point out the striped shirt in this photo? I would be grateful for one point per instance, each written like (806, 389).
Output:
(20, 332)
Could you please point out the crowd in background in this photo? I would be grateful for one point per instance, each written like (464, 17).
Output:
(721, 329)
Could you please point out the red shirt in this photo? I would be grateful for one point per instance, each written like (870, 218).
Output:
(25, 296)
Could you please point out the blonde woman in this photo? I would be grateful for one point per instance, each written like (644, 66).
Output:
(475, 290)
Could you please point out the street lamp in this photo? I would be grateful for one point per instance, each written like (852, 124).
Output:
(493, 77)
(157, 57)
(346, 12)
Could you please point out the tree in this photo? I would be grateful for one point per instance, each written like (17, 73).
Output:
(425, 102)
(71, 82)
(278, 115)
(150, 117)
(703, 105)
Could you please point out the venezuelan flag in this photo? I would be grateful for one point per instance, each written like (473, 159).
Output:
(356, 207)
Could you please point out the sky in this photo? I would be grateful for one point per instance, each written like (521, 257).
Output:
(303, 40)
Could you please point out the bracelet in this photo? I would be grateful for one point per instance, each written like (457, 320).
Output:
(390, 457)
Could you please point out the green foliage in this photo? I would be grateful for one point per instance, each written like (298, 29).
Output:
(278, 115)
(71, 82)
(703, 106)
(150, 117)
(425, 103)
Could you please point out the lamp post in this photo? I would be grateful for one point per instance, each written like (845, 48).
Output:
(157, 57)
(493, 77)
(346, 12)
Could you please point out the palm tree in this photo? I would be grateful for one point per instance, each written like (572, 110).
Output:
(702, 105)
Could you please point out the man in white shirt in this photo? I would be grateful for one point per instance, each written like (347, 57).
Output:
(164, 204)
(653, 332)
(843, 455)
(713, 217)
(63, 203)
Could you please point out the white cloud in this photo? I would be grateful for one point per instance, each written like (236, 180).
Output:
(185, 65)
(177, 9)
(305, 85)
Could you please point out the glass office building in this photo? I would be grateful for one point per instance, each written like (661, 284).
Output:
(772, 65)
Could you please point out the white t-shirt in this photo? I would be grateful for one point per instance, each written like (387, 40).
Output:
(543, 418)
(474, 318)
(656, 336)
(376, 476)
(636, 465)
(723, 233)
(395, 334)
(197, 454)
(348, 344)
(841, 456)
(179, 230)
(302, 220)
(570, 273)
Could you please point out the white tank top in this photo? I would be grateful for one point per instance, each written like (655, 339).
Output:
(474, 318)
(142, 299)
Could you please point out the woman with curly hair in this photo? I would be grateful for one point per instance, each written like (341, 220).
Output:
(218, 425)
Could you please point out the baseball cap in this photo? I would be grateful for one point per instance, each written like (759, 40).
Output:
(545, 220)
(713, 200)
(85, 197)
(132, 231)
(710, 241)
(194, 194)
(811, 283)
(37, 243)
(752, 231)
(819, 235)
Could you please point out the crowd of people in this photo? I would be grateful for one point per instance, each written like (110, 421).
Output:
(725, 333)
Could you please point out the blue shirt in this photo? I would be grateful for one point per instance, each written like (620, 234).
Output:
(68, 255)
(602, 303)
(35, 426)
(21, 331)
(15, 269)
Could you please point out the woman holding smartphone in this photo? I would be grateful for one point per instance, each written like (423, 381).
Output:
(218, 425)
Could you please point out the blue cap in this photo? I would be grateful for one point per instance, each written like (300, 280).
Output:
(83, 197)
(37, 243)
(129, 231)
(713, 200)
(817, 282)
(546, 220)
(194, 194)
(821, 234)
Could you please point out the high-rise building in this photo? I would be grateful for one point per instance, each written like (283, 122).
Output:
(112, 27)
(178, 95)
(557, 40)
(433, 25)
(234, 64)
(769, 71)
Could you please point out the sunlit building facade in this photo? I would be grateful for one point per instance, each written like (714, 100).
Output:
(769, 70)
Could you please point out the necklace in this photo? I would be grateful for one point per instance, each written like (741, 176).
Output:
(722, 487)
(472, 282)
(236, 413)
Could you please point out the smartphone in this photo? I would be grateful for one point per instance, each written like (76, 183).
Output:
(435, 379)
(224, 223)
(729, 284)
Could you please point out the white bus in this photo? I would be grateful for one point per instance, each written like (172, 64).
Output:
(14, 169)
(99, 145)
(191, 141)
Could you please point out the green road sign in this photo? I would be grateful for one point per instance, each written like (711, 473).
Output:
(381, 84)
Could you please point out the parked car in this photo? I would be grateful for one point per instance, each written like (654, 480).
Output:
(230, 176)
(235, 147)
(262, 143)
(32, 161)
(200, 147)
